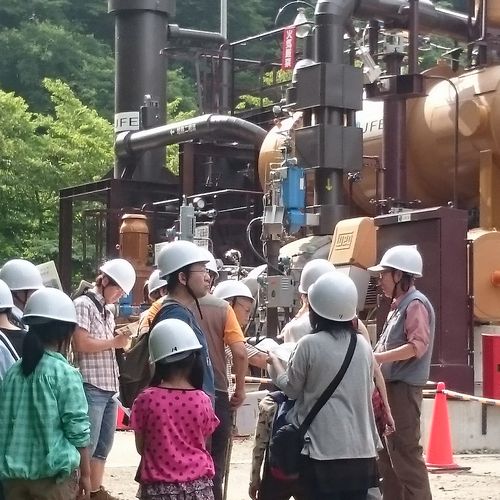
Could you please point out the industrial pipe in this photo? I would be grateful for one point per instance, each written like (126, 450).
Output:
(198, 36)
(140, 71)
(128, 143)
(396, 15)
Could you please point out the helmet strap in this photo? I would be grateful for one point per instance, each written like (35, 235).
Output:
(190, 291)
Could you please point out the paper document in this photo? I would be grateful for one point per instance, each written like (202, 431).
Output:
(266, 345)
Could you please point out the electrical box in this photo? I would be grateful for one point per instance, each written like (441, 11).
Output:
(280, 291)
(491, 366)
(294, 188)
(354, 242)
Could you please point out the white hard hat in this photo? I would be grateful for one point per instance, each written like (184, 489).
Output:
(49, 304)
(121, 272)
(155, 282)
(405, 258)
(172, 340)
(232, 288)
(211, 265)
(177, 255)
(20, 274)
(252, 284)
(312, 271)
(6, 301)
(334, 296)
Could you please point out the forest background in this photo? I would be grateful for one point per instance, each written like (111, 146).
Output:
(56, 105)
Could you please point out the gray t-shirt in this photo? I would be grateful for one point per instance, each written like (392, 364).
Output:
(345, 426)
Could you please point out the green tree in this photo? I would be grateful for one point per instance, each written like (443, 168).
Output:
(37, 50)
(40, 154)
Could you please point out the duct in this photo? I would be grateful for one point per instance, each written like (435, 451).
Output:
(201, 37)
(432, 19)
(129, 143)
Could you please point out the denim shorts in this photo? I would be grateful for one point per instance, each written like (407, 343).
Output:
(102, 414)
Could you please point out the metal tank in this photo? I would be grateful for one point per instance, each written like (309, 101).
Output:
(431, 141)
(134, 247)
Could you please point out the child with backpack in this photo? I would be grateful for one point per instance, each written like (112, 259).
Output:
(44, 423)
(173, 418)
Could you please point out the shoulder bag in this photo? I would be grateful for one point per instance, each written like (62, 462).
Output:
(286, 445)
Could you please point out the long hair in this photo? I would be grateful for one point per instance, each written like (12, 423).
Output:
(191, 368)
(321, 324)
(39, 337)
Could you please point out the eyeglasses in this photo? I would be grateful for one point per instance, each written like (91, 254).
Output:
(246, 309)
(205, 271)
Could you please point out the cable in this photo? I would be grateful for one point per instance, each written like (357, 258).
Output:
(254, 250)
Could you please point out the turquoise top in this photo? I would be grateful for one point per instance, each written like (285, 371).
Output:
(43, 420)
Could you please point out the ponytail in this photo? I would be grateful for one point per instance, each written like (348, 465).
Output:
(39, 337)
(33, 350)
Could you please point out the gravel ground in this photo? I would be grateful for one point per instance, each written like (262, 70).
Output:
(481, 482)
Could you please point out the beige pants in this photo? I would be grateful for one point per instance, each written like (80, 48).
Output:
(401, 465)
(41, 489)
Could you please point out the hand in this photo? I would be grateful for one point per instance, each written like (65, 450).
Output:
(390, 426)
(120, 341)
(253, 490)
(378, 357)
(84, 488)
(237, 398)
(271, 358)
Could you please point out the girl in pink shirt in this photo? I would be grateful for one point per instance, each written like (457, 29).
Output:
(173, 418)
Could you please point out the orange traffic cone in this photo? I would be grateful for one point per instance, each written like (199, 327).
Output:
(439, 451)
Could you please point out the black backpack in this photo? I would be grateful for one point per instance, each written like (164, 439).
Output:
(134, 365)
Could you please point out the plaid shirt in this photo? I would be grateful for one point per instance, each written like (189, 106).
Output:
(43, 420)
(97, 368)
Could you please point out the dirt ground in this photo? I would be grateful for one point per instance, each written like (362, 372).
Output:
(481, 482)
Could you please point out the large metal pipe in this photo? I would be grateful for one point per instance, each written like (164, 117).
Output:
(141, 70)
(195, 36)
(396, 15)
(331, 17)
(129, 143)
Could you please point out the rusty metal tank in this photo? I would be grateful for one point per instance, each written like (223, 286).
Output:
(486, 275)
(492, 12)
(134, 247)
(431, 125)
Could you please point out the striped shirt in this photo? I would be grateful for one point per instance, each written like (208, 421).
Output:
(99, 369)
(43, 420)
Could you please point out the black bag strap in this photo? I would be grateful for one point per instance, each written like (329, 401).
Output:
(92, 297)
(5, 340)
(325, 396)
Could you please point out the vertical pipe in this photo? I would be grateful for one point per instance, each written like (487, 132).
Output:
(394, 139)
(330, 19)
(140, 69)
(413, 38)
(373, 31)
(223, 18)
(394, 150)
(226, 69)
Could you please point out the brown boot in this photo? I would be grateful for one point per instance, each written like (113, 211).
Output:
(102, 494)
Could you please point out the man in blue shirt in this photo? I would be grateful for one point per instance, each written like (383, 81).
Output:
(182, 265)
